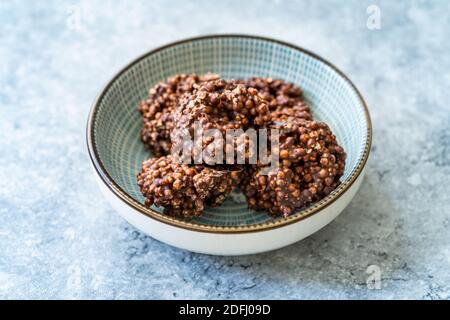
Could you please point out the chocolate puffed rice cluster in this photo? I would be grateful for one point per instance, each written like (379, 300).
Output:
(311, 161)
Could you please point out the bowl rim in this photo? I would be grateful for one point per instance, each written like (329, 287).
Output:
(192, 226)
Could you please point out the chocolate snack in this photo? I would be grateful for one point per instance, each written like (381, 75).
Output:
(157, 110)
(311, 163)
(285, 99)
(218, 105)
(184, 190)
(310, 160)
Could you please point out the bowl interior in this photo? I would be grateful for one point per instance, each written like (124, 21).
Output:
(116, 122)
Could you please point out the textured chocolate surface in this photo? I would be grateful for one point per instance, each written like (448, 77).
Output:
(184, 190)
(285, 99)
(158, 110)
(311, 163)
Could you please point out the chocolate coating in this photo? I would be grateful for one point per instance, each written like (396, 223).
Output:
(311, 163)
(184, 190)
(285, 99)
(158, 109)
(219, 105)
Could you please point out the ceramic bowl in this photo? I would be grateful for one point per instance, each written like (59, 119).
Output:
(117, 152)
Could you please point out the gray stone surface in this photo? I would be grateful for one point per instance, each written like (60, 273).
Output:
(60, 239)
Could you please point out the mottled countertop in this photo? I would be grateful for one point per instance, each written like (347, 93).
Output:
(60, 239)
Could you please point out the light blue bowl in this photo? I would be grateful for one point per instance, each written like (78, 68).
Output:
(114, 123)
